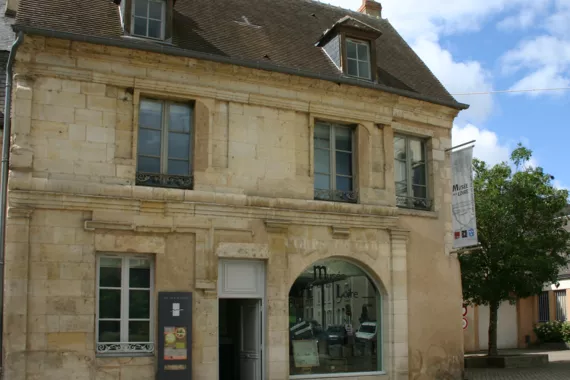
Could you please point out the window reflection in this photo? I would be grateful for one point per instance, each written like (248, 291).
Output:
(334, 315)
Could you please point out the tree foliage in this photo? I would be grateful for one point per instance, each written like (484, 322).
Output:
(523, 242)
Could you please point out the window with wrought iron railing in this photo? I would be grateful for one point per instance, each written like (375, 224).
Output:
(334, 171)
(411, 173)
(124, 305)
(164, 150)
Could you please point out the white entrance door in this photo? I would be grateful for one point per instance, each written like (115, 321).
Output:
(250, 348)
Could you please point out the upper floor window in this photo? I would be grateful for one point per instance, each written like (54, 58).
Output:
(358, 58)
(124, 304)
(165, 144)
(148, 18)
(334, 172)
(410, 172)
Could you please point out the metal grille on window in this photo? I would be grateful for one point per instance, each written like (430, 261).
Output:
(543, 307)
(561, 311)
(334, 179)
(165, 144)
(124, 307)
(410, 173)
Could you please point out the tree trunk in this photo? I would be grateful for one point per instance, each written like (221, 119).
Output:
(493, 318)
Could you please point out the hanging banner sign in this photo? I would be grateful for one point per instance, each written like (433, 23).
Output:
(463, 199)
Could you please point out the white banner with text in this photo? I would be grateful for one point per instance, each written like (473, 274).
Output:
(463, 199)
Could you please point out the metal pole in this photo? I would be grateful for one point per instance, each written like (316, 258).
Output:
(460, 145)
(4, 178)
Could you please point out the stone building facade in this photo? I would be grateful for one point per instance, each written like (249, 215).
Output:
(76, 204)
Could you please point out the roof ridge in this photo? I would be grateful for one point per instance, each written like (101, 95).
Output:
(318, 2)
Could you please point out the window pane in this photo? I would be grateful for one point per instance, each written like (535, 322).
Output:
(350, 49)
(139, 331)
(178, 145)
(148, 165)
(150, 115)
(346, 331)
(322, 182)
(139, 277)
(343, 138)
(399, 148)
(400, 173)
(402, 189)
(155, 10)
(419, 174)
(322, 136)
(343, 163)
(109, 331)
(343, 183)
(352, 67)
(139, 304)
(417, 150)
(110, 277)
(109, 303)
(149, 142)
(154, 29)
(140, 26)
(322, 161)
(179, 118)
(363, 52)
(178, 167)
(420, 192)
(364, 69)
(141, 8)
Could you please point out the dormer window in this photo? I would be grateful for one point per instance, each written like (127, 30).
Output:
(148, 18)
(358, 58)
(351, 46)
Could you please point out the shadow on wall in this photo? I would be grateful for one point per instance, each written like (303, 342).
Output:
(436, 364)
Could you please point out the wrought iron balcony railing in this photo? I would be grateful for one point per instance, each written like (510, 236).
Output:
(336, 195)
(165, 180)
(124, 348)
(413, 203)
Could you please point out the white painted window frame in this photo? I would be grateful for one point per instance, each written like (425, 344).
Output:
(124, 346)
(162, 20)
(358, 60)
(332, 127)
(408, 163)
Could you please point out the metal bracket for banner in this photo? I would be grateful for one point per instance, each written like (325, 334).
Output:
(461, 146)
(465, 249)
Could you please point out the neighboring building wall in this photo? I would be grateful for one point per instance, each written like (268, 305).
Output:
(72, 195)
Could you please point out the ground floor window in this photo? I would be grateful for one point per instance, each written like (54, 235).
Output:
(124, 306)
(345, 335)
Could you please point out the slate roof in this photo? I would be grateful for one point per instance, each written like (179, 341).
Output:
(276, 33)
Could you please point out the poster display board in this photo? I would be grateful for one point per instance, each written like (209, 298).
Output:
(175, 336)
(305, 353)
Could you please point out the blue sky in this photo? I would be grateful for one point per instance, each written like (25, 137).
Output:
(495, 45)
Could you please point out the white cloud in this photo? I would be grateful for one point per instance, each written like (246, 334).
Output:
(488, 148)
(523, 19)
(459, 77)
(545, 62)
(547, 77)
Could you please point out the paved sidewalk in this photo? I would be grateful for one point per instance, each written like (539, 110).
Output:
(558, 369)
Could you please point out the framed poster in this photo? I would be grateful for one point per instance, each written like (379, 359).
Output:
(305, 353)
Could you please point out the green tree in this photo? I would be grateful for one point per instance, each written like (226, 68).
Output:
(523, 242)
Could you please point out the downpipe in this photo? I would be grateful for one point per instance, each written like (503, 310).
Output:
(4, 182)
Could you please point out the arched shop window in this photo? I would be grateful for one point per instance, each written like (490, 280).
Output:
(347, 342)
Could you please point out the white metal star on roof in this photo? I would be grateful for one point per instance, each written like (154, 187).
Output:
(246, 22)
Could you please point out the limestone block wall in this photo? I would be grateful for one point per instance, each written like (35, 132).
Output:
(72, 195)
